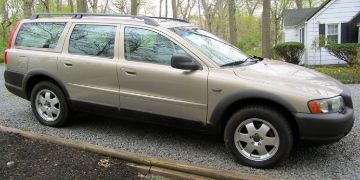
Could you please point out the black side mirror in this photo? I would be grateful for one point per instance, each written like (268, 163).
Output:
(184, 63)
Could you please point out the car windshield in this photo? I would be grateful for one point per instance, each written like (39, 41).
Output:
(217, 49)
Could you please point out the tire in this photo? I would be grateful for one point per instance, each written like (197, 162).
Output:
(49, 105)
(263, 136)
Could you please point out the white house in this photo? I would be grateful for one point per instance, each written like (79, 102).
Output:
(338, 20)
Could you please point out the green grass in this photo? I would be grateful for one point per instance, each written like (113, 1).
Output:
(347, 75)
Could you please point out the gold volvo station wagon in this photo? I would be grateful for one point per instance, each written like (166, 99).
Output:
(168, 71)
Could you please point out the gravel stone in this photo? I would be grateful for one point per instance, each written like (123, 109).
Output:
(10, 164)
(338, 160)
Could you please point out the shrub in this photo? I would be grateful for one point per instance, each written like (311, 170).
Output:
(348, 52)
(290, 51)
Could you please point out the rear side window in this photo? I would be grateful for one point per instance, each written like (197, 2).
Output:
(93, 40)
(39, 34)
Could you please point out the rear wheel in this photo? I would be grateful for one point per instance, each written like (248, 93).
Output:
(258, 136)
(49, 104)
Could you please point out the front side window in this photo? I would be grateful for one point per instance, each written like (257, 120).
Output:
(332, 32)
(149, 46)
(39, 34)
(93, 40)
(216, 49)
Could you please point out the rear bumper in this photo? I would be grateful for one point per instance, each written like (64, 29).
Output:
(324, 128)
(13, 83)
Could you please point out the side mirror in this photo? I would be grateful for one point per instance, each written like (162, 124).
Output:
(184, 63)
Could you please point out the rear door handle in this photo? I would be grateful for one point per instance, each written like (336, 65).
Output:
(130, 73)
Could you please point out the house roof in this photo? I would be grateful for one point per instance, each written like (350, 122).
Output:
(319, 8)
(294, 17)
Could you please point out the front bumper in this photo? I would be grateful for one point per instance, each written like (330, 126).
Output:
(324, 128)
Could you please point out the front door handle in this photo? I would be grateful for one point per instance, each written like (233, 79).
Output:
(68, 64)
(130, 73)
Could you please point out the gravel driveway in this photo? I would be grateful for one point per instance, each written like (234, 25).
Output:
(339, 160)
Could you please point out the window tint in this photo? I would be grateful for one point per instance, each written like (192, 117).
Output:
(39, 35)
(149, 46)
(93, 40)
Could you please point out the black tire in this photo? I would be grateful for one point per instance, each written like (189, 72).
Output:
(64, 114)
(274, 118)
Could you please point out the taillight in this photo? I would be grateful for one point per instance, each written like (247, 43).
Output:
(11, 38)
(5, 56)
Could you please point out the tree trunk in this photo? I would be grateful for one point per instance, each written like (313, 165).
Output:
(93, 4)
(71, 4)
(106, 5)
(166, 8)
(81, 6)
(46, 5)
(265, 41)
(134, 7)
(5, 23)
(208, 15)
(199, 11)
(160, 8)
(174, 8)
(232, 22)
(298, 4)
(58, 5)
(27, 6)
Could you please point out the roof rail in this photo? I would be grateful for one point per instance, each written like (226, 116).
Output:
(175, 19)
(147, 20)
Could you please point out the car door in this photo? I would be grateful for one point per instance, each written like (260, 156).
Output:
(88, 63)
(148, 83)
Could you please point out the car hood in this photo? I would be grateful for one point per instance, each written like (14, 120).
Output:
(291, 77)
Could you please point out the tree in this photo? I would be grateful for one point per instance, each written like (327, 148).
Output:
(207, 6)
(81, 6)
(251, 6)
(174, 8)
(299, 4)
(93, 5)
(58, 5)
(27, 6)
(5, 23)
(46, 5)
(277, 10)
(166, 8)
(185, 10)
(134, 7)
(265, 40)
(106, 6)
(160, 8)
(232, 22)
(122, 6)
(71, 4)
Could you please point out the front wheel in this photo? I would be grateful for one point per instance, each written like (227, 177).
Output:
(258, 136)
(49, 105)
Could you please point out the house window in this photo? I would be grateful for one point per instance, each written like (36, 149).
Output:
(332, 33)
(302, 35)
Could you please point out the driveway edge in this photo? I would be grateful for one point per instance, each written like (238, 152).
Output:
(151, 162)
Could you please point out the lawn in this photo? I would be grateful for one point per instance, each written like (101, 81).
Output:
(347, 75)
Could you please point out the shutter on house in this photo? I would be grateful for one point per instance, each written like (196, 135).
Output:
(322, 29)
(344, 33)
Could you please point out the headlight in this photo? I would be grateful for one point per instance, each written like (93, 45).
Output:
(331, 105)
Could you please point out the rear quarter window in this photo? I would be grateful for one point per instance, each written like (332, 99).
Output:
(39, 34)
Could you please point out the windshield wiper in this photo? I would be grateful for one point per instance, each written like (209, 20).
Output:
(255, 59)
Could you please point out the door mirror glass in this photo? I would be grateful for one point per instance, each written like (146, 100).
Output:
(184, 63)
